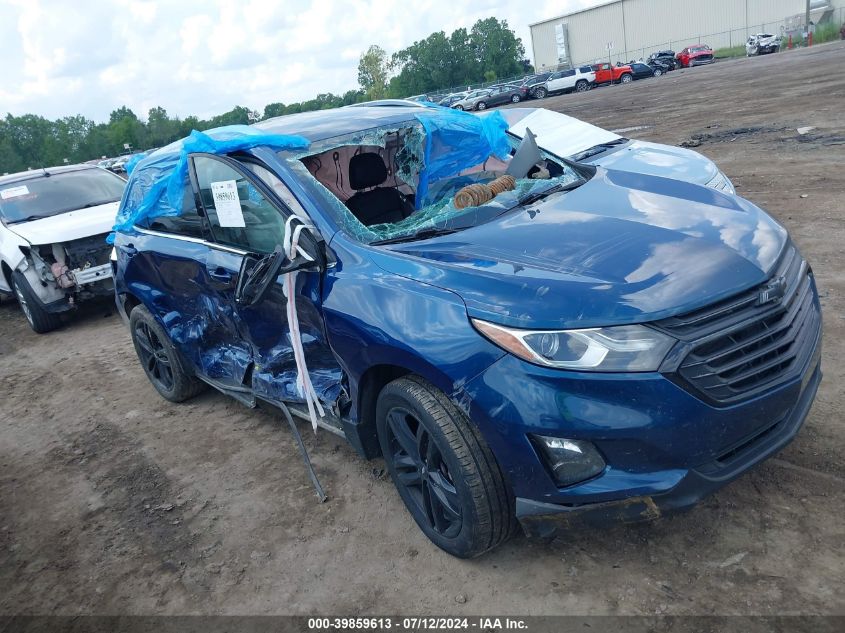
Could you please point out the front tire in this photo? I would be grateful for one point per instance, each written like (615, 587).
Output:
(540, 93)
(443, 470)
(626, 78)
(38, 318)
(515, 99)
(657, 72)
(162, 362)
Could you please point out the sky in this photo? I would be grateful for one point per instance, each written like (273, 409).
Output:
(204, 57)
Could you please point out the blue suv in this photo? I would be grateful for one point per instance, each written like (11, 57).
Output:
(526, 341)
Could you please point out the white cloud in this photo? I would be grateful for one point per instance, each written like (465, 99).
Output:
(199, 57)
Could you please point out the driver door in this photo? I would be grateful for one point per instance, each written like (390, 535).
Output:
(247, 207)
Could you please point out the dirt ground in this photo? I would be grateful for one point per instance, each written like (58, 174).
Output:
(115, 501)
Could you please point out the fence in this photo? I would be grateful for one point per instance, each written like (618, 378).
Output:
(793, 26)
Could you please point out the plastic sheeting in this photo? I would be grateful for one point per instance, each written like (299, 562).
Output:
(133, 162)
(157, 184)
(456, 141)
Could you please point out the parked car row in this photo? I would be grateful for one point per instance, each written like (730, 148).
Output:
(578, 79)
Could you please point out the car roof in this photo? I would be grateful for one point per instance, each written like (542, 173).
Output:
(39, 173)
(322, 124)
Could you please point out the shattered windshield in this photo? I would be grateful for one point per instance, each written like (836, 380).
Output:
(426, 176)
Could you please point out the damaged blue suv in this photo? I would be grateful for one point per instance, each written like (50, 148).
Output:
(524, 339)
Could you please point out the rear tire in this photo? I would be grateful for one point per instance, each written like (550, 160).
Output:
(443, 470)
(657, 72)
(481, 106)
(458, 107)
(38, 318)
(581, 86)
(165, 368)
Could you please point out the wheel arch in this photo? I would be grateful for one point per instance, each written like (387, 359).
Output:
(7, 274)
(362, 431)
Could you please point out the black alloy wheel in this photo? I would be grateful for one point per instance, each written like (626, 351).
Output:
(422, 472)
(443, 469)
(160, 359)
(153, 356)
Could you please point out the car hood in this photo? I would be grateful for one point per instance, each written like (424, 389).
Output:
(659, 160)
(622, 248)
(556, 132)
(566, 136)
(72, 225)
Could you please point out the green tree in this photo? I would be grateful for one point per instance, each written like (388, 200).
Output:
(125, 128)
(161, 129)
(372, 72)
(274, 109)
(496, 48)
(489, 50)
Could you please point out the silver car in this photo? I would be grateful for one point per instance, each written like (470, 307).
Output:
(761, 44)
(580, 141)
(471, 101)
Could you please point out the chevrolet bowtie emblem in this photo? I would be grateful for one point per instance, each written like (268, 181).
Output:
(772, 291)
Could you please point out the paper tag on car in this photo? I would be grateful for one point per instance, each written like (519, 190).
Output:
(227, 204)
(14, 192)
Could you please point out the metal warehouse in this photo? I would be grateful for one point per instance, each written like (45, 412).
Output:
(622, 30)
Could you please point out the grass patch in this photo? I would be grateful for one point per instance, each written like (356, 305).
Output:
(826, 32)
(730, 51)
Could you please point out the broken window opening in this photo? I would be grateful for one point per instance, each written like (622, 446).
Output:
(369, 179)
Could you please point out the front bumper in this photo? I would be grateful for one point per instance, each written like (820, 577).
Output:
(541, 519)
(665, 448)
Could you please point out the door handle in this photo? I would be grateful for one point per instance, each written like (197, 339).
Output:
(220, 274)
(129, 249)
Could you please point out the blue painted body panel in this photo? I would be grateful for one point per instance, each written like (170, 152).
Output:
(625, 247)
(654, 159)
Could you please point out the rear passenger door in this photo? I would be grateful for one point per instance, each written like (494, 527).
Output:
(163, 262)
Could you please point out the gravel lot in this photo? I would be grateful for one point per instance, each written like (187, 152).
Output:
(115, 501)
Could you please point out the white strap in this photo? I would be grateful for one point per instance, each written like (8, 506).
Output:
(303, 379)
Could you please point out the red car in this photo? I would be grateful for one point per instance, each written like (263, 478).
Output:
(695, 55)
(605, 73)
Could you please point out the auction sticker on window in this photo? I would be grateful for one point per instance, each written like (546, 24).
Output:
(227, 204)
(14, 192)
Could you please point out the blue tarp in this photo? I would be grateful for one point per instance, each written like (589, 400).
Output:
(455, 141)
(133, 162)
(157, 183)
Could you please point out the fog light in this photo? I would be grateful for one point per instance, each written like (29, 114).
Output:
(570, 461)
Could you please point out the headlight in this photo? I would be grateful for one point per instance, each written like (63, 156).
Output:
(619, 348)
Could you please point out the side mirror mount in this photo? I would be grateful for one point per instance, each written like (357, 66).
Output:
(258, 274)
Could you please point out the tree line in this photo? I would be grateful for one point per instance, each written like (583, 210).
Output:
(488, 51)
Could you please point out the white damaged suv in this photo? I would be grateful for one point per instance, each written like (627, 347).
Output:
(53, 228)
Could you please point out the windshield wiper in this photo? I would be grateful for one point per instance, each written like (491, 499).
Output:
(97, 204)
(29, 218)
(598, 149)
(539, 195)
(419, 235)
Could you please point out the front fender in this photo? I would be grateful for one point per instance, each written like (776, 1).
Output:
(374, 317)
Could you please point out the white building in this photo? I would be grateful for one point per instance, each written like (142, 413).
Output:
(621, 30)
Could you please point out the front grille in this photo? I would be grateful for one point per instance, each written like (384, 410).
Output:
(88, 251)
(740, 347)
